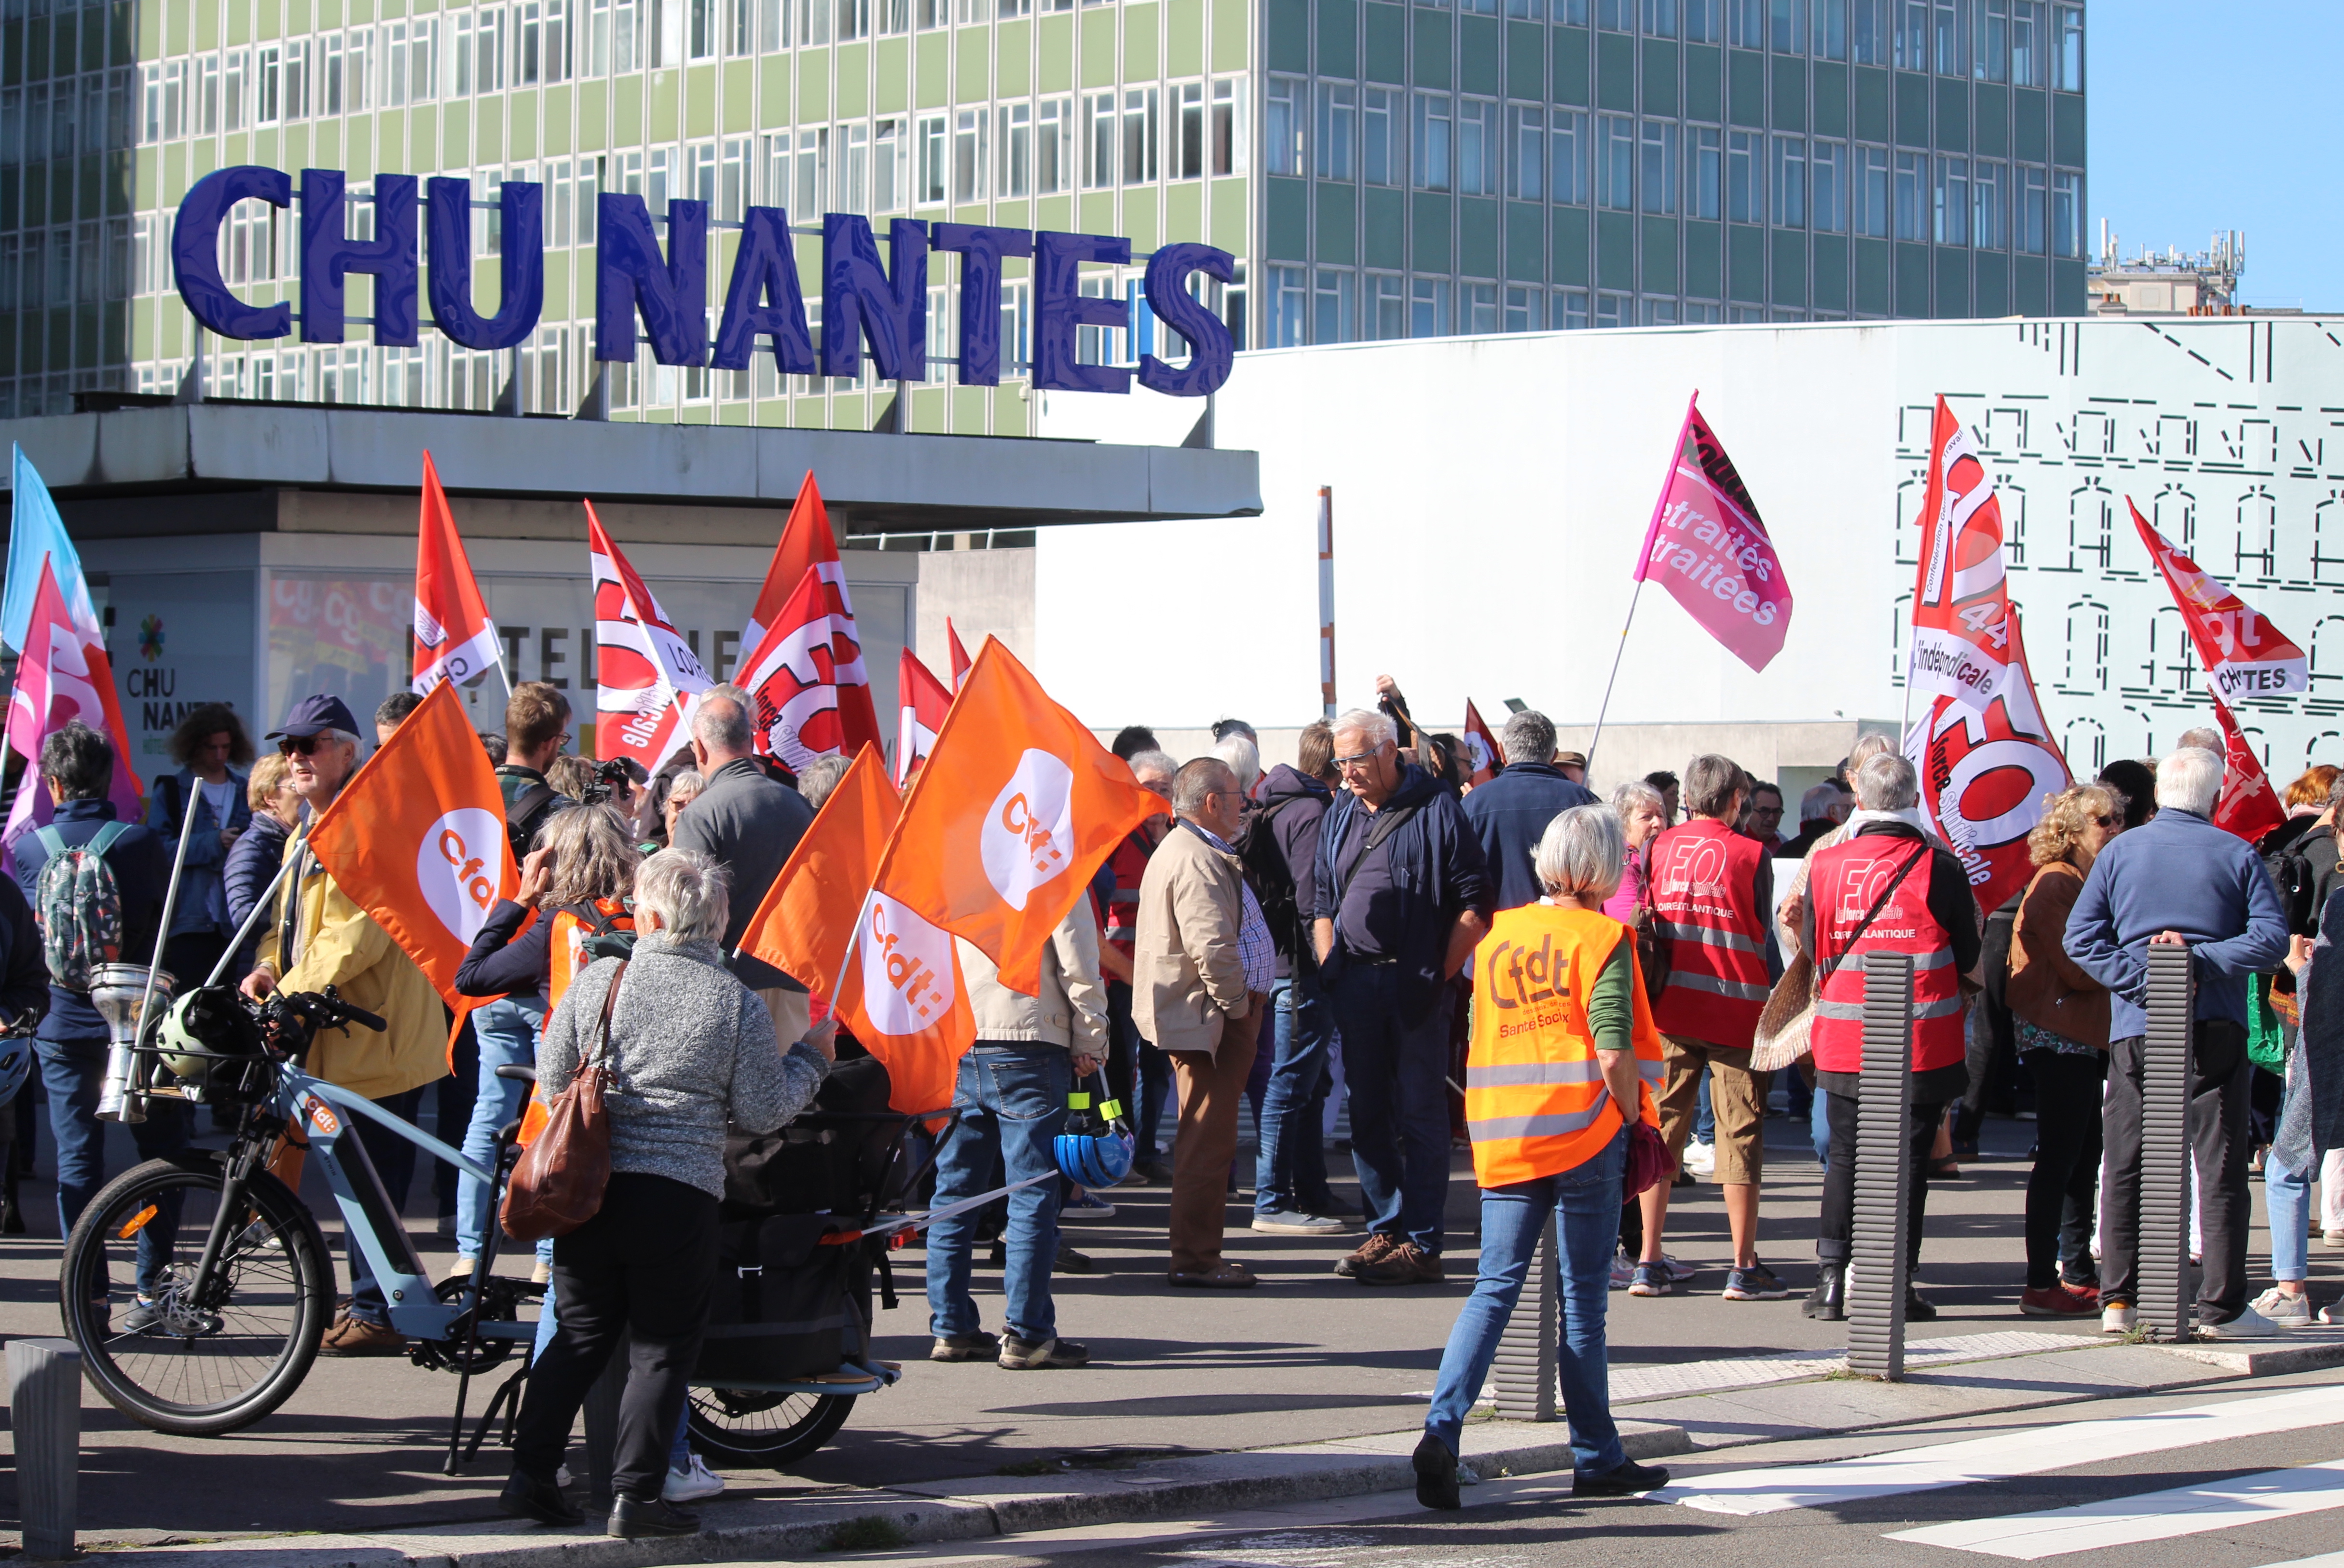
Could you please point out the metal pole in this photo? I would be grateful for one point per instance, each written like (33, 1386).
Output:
(45, 1416)
(110, 1105)
(1616, 654)
(2163, 1260)
(1876, 1274)
(260, 909)
(1524, 1369)
(1327, 598)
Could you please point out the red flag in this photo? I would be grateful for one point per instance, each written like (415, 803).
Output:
(808, 544)
(924, 704)
(1961, 599)
(2244, 655)
(959, 655)
(62, 674)
(1984, 776)
(2247, 804)
(1481, 747)
(808, 656)
(455, 637)
(1711, 551)
(648, 674)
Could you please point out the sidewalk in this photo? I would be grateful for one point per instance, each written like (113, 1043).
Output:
(1309, 1387)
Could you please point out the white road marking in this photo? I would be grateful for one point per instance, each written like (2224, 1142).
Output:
(2152, 1516)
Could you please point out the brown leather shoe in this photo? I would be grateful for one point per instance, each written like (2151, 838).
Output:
(1226, 1276)
(1370, 1250)
(356, 1337)
(1405, 1265)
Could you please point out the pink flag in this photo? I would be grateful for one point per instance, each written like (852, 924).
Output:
(64, 675)
(1708, 548)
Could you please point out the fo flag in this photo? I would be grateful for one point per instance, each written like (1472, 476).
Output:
(1709, 550)
(795, 677)
(647, 673)
(1961, 601)
(2248, 806)
(62, 674)
(1481, 748)
(416, 839)
(2244, 655)
(1985, 774)
(455, 638)
(925, 702)
(807, 545)
(1016, 808)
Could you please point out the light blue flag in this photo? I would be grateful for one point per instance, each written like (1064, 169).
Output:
(34, 531)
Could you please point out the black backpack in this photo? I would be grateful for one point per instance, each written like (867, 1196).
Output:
(2296, 879)
(1264, 860)
(529, 811)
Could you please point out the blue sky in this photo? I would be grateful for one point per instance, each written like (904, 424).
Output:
(2206, 117)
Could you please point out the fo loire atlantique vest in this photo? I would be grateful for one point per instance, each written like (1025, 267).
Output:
(1704, 877)
(1845, 881)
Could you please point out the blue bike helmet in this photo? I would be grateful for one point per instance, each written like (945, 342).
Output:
(1097, 1148)
(15, 1066)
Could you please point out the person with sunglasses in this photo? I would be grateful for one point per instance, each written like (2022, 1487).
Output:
(2062, 1018)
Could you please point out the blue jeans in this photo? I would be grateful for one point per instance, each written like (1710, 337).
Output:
(1397, 1070)
(1587, 1200)
(1819, 1127)
(1012, 1100)
(73, 1074)
(2289, 1195)
(1291, 1169)
(1704, 1119)
(1144, 1080)
(507, 1031)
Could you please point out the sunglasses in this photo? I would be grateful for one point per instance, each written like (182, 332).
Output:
(305, 745)
(2109, 821)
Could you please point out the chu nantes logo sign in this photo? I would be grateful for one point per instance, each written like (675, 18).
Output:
(863, 301)
(457, 869)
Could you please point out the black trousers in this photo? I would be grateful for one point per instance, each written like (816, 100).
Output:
(2066, 1174)
(646, 1263)
(1836, 1237)
(2220, 1076)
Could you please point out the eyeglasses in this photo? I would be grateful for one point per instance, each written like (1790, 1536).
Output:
(2109, 821)
(1361, 760)
(305, 745)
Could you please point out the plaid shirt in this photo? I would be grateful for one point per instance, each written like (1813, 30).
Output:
(1257, 949)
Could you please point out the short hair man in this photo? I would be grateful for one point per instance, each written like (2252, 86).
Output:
(1886, 889)
(1511, 811)
(322, 938)
(2178, 880)
(747, 822)
(1136, 1073)
(1573, 765)
(2204, 738)
(1823, 807)
(78, 766)
(1132, 739)
(391, 712)
(1401, 895)
(537, 726)
(1761, 816)
(1712, 890)
(1667, 784)
(1291, 1191)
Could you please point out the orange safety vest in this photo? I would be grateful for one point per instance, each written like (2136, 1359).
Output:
(1703, 879)
(565, 957)
(1535, 1101)
(1846, 880)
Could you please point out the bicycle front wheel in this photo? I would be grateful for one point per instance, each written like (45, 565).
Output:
(170, 1356)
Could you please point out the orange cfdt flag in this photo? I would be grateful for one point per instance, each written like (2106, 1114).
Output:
(1012, 813)
(804, 926)
(416, 839)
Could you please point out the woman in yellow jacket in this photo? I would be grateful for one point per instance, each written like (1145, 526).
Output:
(1563, 1043)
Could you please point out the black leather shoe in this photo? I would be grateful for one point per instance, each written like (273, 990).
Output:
(1829, 1301)
(631, 1521)
(1918, 1308)
(1622, 1481)
(1435, 1474)
(526, 1497)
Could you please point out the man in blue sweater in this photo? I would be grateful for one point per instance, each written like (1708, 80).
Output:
(1511, 811)
(2179, 880)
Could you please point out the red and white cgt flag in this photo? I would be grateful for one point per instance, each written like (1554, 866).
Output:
(455, 637)
(924, 704)
(808, 544)
(648, 674)
(2244, 655)
(2247, 804)
(1961, 599)
(809, 656)
(1481, 747)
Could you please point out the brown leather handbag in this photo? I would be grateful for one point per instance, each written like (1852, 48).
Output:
(558, 1186)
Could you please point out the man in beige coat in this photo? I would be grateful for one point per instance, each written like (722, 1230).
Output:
(1202, 966)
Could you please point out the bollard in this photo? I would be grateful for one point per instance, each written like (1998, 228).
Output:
(1877, 1276)
(2164, 1308)
(602, 1413)
(1524, 1368)
(44, 1413)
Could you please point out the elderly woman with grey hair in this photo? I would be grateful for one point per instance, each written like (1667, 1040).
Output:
(690, 1052)
(1564, 1058)
(1643, 813)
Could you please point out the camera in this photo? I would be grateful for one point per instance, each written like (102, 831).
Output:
(608, 776)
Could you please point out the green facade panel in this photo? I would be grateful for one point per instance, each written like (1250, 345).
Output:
(1526, 61)
(1953, 116)
(1831, 271)
(1525, 242)
(1383, 227)
(1286, 220)
(1385, 29)
(2067, 288)
(1013, 60)
(1912, 279)
(1953, 281)
(1659, 266)
(1704, 82)
(1184, 37)
(2030, 285)
(1339, 38)
(1705, 260)
(1912, 109)
(1434, 65)
(1992, 127)
(1745, 86)
(1184, 213)
(1746, 263)
(1056, 56)
(1429, 220)
(972, 65)
(1993, 285)
(1872, 119)
(1615, 250)
(2068, 128)
(1872, 294)
(1232, 34)
(895, 56)
(1338, 222)
(1480, 56)
(1660, 77)
(1789, 111)
(1231, 209)
(1829, 98)
(1789, 268)
(1286, 35)
(740, 93)
(1142, 58)
(2030, 128)
(1615, 72)
(1098, 48)
(1480, 238)
(814, 94)
(1571, 62)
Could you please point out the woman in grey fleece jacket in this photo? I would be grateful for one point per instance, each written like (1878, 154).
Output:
(690, 1049)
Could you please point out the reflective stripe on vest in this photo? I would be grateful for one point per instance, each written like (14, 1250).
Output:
(1703, 890)
(1845, 881)
(1535, 1101)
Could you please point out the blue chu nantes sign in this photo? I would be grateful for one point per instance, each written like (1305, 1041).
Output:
(863, 301)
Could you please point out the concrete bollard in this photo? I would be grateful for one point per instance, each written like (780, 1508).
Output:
(1524, 1369)
(2164, 1308)
(1878, 1275)
(45, 1413)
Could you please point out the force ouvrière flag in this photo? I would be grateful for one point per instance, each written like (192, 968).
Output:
(1961, 598)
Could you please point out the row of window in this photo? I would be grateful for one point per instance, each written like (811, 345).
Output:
(2027, 43)
(1339, 305)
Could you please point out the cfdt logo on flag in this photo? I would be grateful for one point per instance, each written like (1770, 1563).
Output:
(917, 960)
(458, 867)
(1029, 834)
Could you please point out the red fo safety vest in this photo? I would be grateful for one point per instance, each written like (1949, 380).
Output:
(1845, 881)
(1704, 876)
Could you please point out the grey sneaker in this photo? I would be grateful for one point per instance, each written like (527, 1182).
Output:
(2287, 1312)
(1018, 1355)
(2249, 1324)
(1293, 1222)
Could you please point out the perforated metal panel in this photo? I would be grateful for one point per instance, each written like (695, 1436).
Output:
(2163, 1309)
(1876, 1272)
(1524, 1369)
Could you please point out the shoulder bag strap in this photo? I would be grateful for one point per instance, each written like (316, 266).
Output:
(1870, 915)
(1386, 822)
(609, 1005)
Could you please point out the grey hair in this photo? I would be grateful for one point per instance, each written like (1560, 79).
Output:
(1162, 762)
(2190, 780)
(721, 721)
(1243, 757)
(688, 891)
(1868, 745)
(1710, 782)
(2204, 738)
(1375, 727)
(1202, 776)
(1528, 737)
(1887, 783)
(1580, 853)
(1632, 794)
(688, 782)
(819, 778)
(1816, 805)
(593, 855)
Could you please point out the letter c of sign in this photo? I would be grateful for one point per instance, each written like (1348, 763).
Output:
(194, 251)
(448, 837)
(1017, 816)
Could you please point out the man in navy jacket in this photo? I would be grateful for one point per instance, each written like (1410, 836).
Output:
(1511, 811)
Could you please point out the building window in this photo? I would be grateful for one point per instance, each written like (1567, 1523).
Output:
(1525, 309)
(1830, 29)
(2028, 220)
(1526, 132)
(1477, 308)
(232, 99)
(814, 22)
(1704, 171)
(1911, 196)
(1745, 176)
(1867, 184)
(1613, 310)
(1477, 146)
(1951, 36)
(1703, 21)
(1911, 35)
(1387, 305)
(1949, 210)
(2068, 73)
(1188, 150)
(968, 155)
(1229, 130)
(1526, 10)
(2026, 43)
(1616, 15)
(1660, 19)
(1790, 183)
(1990, 54)
(1567, 155)
(1379, 113)
(1783, 34)
(1827, 186)
(1015, 139)
(1338, 306)
(1431, 143)
(933, 159)
(1337, 115)
(1428, 308)
(1868, 32)
(1288, 302)
(1698, 312)
(1656, 312)
(1054, 146)
(1615, 162)
(1570, 309)
(888, 148)
(1989, 227)
(1658, 175)
(1571, 13)
(1282, 124)
(1139, 146)
(854, 169)
(2067, 213)
(1098, 162)
(1748, 31)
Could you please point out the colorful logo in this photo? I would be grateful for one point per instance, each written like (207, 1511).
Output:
(1029, 836)
(458, 867)
(150, 638)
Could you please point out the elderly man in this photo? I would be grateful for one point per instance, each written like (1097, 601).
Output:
(1885, 889)
(1202, 967)
(1400, 894)
(1513, 810)
(1823, 807)
(1136, 1073)
(1762, 816)
(748, 823)
(1711, 891)
(2178, 880)
(322, 938)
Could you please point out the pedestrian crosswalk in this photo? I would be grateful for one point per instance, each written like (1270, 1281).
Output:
(2152, 1516)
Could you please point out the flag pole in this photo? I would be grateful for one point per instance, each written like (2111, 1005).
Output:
(1644, 560)
(1617, 654)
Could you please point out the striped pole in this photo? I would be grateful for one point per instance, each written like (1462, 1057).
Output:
(1524, 1368)
(2163, 1262)
(1327, 598)
(1876, 1276)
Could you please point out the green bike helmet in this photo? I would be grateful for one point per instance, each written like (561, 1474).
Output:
(213, 1019)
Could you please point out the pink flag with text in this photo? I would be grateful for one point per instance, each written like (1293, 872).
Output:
(1708, 548)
